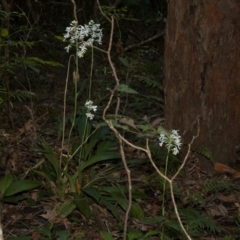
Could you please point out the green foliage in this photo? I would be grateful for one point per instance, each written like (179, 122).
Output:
(4, 32)
(237, 225)
(49, 233)
(135, 234)
(118, 194)
(106, 236)
(196, 223)
(135, 79)
(117, 13)
(88, 182)
(10, 187)
(14, 65)
(11, 96)
(228, 238)
(215, 185)
(3, 15)
(21, 238)
(93, 147)
(83, 172)
(21, 95)
(204, 151)
(126, 89)
(34, 62)
(150, 82)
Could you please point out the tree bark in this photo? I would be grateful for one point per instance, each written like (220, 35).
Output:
(202, 73)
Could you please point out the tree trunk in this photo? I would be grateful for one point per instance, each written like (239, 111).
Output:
(202, 73)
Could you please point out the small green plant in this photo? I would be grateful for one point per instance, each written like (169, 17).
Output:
(10, 187)
(15, 66)
(47, 233)
(196, 222)
(204, 152)
(134, 234)
(137, 80)
(215, 185)
(81, 174)
(88, 182)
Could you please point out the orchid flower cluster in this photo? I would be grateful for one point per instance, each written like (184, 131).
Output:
(82, 36)
(90, 107)
(172, 141)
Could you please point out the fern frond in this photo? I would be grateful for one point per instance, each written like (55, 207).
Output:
(157, 99)
(216, 185)
(21, 95)
(196, 223)
(204, 151)
(150, 83)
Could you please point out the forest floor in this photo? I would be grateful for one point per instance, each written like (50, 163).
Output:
(208, 203)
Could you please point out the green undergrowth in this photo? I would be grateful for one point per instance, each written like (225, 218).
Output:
(77, 162)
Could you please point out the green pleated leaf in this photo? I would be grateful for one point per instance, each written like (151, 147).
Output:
(112, 208)
(67, 208)
(13, 199)
(134, 234)
(122, 202)
(88, 148)
(105, 145)
(124, 61)
(21, 238)
(101, 132)
(5, 183)
(93, 192)
(62, 234)
(21, 186)
(82, 205)
(151, 233)
(44, 231)
(99, 157)
(106, 236)
(71, 181)
(136, 211)
(51, 157)
(44, 175)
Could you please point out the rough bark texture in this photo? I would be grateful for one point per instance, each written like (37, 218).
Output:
(202, 73)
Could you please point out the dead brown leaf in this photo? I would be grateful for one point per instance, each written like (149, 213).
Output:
(35, 236)
(236, 175)
(50, 215)
(214, 212)
(224, 169)
(228, 199)
(157, 121)
(27, 126)
(223, 210)
(128, 121)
